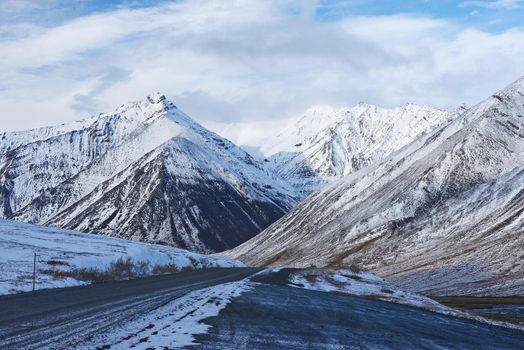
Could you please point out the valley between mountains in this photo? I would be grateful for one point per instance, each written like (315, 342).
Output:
(432, 200)
(398, 208)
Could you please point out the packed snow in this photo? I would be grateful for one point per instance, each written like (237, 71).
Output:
(66, 250)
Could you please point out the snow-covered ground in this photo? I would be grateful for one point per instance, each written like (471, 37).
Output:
(173, 325)
(371, 286)
(66, 250)
(361, 284)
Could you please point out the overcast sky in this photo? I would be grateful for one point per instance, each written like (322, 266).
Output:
(245, 60)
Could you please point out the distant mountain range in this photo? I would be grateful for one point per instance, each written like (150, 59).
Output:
(442, 215)
(148, 172)
(327, 144)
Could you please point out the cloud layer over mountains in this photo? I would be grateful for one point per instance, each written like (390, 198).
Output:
(241, 60)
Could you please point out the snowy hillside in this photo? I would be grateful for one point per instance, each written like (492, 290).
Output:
(443, 215)
(327, 144)
(65, 250)
(146, 172)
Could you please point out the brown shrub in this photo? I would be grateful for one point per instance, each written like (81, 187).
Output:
(121, 269)
(312, 278)
(55, 263)
(164, 269)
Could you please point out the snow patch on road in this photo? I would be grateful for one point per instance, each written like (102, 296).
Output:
(268, 271)
(173, 325)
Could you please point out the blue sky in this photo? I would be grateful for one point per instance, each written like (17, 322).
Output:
(489, 15)
(493, 16)
(245, 60)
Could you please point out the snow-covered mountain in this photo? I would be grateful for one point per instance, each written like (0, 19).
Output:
(443, 215)
(328, 143)
(145, 172)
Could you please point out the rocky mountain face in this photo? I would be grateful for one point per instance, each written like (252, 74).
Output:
(327, 144)
(146, 172)
(443, 215)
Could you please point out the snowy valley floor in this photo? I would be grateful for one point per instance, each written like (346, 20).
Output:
(240, 308)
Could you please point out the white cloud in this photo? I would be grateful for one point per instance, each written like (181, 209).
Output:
(245, 60)
(88, 102)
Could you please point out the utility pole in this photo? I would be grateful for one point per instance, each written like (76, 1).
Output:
(34, 271)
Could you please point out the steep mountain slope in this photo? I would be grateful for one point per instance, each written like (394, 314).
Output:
(327, 144)
(146, 172)
(443, 215)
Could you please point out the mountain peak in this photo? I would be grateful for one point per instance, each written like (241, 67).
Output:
(365, 105)
(155, 104)
(156, 97)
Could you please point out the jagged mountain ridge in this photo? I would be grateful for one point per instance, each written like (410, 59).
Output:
(145, 171)
(444, 215)
(328, 143)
